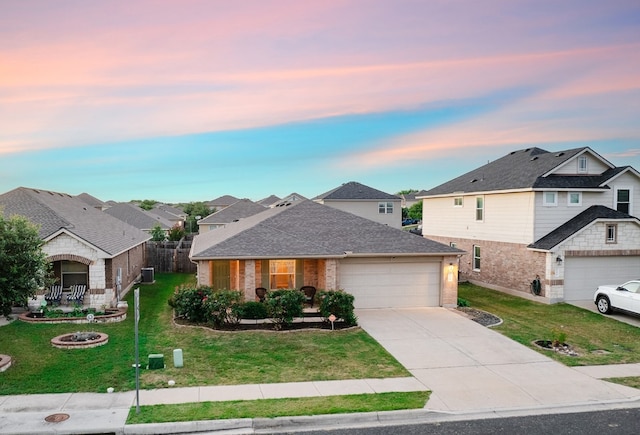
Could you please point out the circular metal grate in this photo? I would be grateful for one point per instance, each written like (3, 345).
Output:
(56, 418)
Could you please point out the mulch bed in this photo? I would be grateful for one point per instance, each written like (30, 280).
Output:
(268, 326)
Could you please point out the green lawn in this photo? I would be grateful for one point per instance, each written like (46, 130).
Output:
(210, 358)
(588, 333)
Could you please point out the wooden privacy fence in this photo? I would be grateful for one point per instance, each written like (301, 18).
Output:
(170, 256)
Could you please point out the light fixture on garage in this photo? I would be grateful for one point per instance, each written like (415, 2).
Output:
(450, 267)
(559, 260)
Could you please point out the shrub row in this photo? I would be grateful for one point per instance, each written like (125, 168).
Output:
(226, 307)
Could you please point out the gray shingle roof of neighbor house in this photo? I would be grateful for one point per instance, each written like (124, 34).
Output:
(164, 214)
(239, 210)
(222, 201)
(519, 170)
(572, 226)
(91, 200)
(55, 212)
(308, 229)
(137, 217)
(269, 200)
(354, 191)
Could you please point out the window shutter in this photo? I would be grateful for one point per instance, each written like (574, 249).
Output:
(265, 274)
(299, 273)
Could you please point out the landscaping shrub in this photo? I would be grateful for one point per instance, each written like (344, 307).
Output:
(340, 304)
(222, 307)
(189, 303)
(463, 302)
(253, 310)
(284, 305)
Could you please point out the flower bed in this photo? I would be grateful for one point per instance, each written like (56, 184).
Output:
(5, 362)
(80, 340)
(111, 315)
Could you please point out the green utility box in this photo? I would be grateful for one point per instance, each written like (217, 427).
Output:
(156, 361)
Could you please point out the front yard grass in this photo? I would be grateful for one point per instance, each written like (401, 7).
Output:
(597, 338)
(210, 357)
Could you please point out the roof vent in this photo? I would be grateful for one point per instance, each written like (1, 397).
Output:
(527, 150)
(512, 153)
(560, 154)
(534, 158)
(474, 180)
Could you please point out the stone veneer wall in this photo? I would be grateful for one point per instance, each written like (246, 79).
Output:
(503, 266)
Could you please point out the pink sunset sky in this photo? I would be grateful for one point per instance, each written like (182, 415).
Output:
(189, 100)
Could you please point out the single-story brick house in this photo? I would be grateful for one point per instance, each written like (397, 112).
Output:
(85, 245)
(306, 243)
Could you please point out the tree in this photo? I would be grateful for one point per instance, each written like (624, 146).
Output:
(23, 265)
(415, 211)
(176, 233)
(147, 204)
(195, 211)
(157, 233)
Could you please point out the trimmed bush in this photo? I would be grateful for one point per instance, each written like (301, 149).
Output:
(253, 310)
(189, 303)
(284, 305)
(222, 307)
(463, 302)
(340, 304)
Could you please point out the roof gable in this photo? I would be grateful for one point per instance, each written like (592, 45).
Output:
(137, 217)
(309, 229)
(238, 210)
(355, 191)
(54, 211)
(576, 224)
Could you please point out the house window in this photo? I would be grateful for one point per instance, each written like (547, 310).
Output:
(282, 273)
(385, 207)
(479, 208)
(623, 200)
(476, 257)
(582, 164)
(453, 244)
(574, 198)
(550, 198)
(457, 201)
(612, 233)
(73, 273)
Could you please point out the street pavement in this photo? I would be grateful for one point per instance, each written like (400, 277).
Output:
(472, 371)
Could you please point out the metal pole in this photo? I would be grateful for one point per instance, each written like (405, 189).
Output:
(136, 303)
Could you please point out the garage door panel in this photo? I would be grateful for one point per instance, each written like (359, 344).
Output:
(391, 284)
(584, 274)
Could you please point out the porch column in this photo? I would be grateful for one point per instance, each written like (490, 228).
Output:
(249, 280)
(331, 274)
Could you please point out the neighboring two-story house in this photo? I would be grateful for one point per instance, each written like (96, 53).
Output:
(366, 202)
(567, 218)
(233, 213)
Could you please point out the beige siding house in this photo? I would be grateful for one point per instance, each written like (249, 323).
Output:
(566, 219)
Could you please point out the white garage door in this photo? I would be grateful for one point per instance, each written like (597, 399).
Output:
(391, 283)
(584, 274)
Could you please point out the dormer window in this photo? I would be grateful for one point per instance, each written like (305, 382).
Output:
(582, 165)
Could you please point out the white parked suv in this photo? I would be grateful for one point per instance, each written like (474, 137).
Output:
(625, 297)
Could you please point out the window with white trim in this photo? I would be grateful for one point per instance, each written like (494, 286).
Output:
(385, 208)
(612, 233)
(582, 165)
(479, 208)
(623, 200)
(457, 201)
(282, 274)
(550, 199)
(476, 257)
(453, 244)
(574, 199)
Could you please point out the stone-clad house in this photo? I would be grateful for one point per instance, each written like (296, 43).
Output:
(568, 218)
(305, 243)
(85, 245)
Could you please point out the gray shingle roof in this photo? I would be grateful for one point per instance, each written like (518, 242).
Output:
(269, 201)
(54, 211)
(222, 201)
(572, 226)
(239, 210)
(309, 229)
(517, 170)
(137, 217)
(91, 200)
(355, 191)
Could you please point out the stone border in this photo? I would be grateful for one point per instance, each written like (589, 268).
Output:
(118, 315)
(5, 362)
(100, 341)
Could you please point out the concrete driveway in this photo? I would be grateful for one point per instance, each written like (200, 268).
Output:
(621, 317)
(470, 367)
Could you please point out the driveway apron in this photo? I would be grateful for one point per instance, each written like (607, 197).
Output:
(469, 367)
